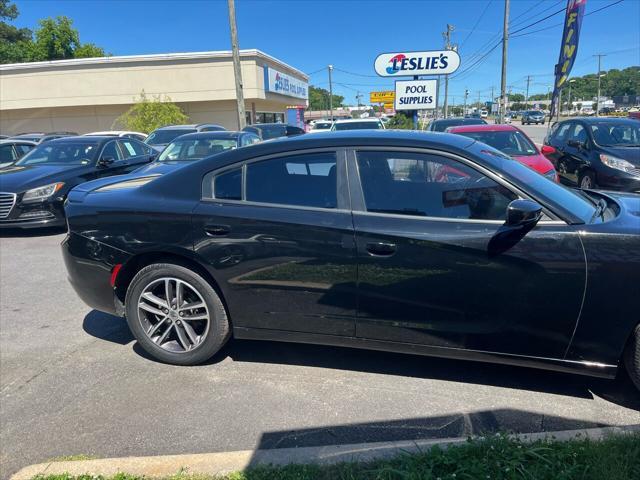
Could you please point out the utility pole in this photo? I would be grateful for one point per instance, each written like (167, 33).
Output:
(237, 69)
(505, 40)
(464, 109)
(330, 67)
(492, 97)
(447, 46)
(599, 55)
(526, 98)
(569, 102)
(479, 104)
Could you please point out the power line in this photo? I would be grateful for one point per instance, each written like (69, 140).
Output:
(477, 23)
(514, 24)
(541, 20)
(529, 10)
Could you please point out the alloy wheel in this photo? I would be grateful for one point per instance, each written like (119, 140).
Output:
(173, 314)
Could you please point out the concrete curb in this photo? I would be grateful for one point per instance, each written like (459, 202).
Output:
(226, 462)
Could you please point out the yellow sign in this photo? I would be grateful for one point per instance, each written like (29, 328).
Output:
(388, 106)
(382, 97)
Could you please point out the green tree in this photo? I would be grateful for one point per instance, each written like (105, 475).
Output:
(516, 97)
(54, 39)
(148, 114)
(15, 43)
(319, 99)
(89, 50)
(400, 121)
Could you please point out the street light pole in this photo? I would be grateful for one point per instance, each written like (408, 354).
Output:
(505, 40)
(330, 67)
(526, 99)
(447, 46)
(599, 55)
(237, 69)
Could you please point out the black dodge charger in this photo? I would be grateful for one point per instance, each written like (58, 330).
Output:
(33, 189)
(432, 244)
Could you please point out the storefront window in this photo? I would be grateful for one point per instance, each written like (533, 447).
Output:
(269, 117)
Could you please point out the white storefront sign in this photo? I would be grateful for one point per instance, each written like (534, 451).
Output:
(437, 62)
(278, 82)
(416, 94)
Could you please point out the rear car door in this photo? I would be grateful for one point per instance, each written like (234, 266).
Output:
(277, 235)
(134, 153)
(428, 274)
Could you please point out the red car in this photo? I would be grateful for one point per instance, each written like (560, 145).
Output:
(513, 142)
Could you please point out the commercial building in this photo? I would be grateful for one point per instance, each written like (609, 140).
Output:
(89, 94)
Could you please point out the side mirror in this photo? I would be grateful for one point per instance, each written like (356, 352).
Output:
(152, 157)
(106, 161)
(523, 213)
(547, 150)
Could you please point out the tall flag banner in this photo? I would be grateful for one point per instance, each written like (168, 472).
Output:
(568, 48)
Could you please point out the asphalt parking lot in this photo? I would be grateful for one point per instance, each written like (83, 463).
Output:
(535, 132)
(73, 381)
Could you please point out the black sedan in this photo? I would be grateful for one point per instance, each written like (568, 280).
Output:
(403, 241)
(597, 153)
(196, 146)
(441, 125)
(33, 189)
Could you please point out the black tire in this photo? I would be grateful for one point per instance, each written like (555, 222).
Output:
(217, 333)
(632, 357)
(587, 180)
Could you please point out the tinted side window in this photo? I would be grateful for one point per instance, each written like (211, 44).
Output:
(429, 186)
(228, 185)
(7, 154)
(303, 180)
(560, 133)
(22, 149)
(111, 150)
(131, 148)
(579, 134)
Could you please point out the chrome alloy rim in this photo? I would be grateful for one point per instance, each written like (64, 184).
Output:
(173, 315)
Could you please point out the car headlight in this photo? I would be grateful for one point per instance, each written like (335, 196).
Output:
(41, 193)
(617, 163)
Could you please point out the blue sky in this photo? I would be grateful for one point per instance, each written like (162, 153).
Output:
(310, 34)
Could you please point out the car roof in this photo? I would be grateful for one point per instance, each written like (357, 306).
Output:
(218, 134)
(190, 125)
(623, 121)
(499, 127)
(4, 141)
(352, 120)
(111, 133)
(273, 124)
(82, 138)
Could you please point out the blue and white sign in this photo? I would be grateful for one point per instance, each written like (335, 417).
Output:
(416, 94)
(440, 62)
(278, 82)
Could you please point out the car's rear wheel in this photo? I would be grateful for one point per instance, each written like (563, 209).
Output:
(632, 357)
(175, 314)
(587, 180)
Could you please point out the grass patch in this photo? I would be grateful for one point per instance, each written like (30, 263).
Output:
(496, 458)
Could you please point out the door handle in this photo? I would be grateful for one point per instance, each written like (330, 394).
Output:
(381, 249)
(217, 230)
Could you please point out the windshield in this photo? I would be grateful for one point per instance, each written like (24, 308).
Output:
(67, 153)
(511, 142)
(322, 126)
(548, 192)
(357, 126)
(162, 137)
(187, 150)
(614, 134)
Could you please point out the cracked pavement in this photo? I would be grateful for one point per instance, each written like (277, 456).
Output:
(73, 381)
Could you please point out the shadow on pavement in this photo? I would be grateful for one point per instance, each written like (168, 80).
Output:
(620, 391)
(31, 232)
(445, 426)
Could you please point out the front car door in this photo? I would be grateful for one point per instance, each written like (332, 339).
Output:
(428, 274)
(575, 157)
(116, 165)
(277, 235)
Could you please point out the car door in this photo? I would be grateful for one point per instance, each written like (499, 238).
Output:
(111, 160)
(277, 235)
(576, 153)
(426, 227)
(558, 140)
(134, 153)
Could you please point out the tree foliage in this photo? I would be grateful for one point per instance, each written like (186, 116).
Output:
(319, 99)
(54, 39)
(148, 114)
(400, 121)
